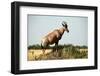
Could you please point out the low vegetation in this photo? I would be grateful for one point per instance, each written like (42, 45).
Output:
(64, 52)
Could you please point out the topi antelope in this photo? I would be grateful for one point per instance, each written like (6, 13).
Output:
(54, 37)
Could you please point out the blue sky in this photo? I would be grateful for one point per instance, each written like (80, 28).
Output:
(40, 25)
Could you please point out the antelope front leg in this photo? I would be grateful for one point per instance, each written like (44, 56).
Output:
(43, 51)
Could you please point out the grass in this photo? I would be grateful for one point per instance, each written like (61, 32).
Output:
(64, 52)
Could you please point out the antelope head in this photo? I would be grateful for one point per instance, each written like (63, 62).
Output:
(65, 26)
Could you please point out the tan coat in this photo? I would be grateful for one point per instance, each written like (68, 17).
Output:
(52, 37)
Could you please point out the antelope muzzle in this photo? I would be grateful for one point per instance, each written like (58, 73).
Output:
(67, 30)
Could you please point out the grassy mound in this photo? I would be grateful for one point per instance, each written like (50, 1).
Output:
(64, 52)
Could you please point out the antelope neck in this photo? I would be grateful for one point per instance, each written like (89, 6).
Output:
(62, 30)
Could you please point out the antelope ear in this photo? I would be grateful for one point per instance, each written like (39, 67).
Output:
(63, 24)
